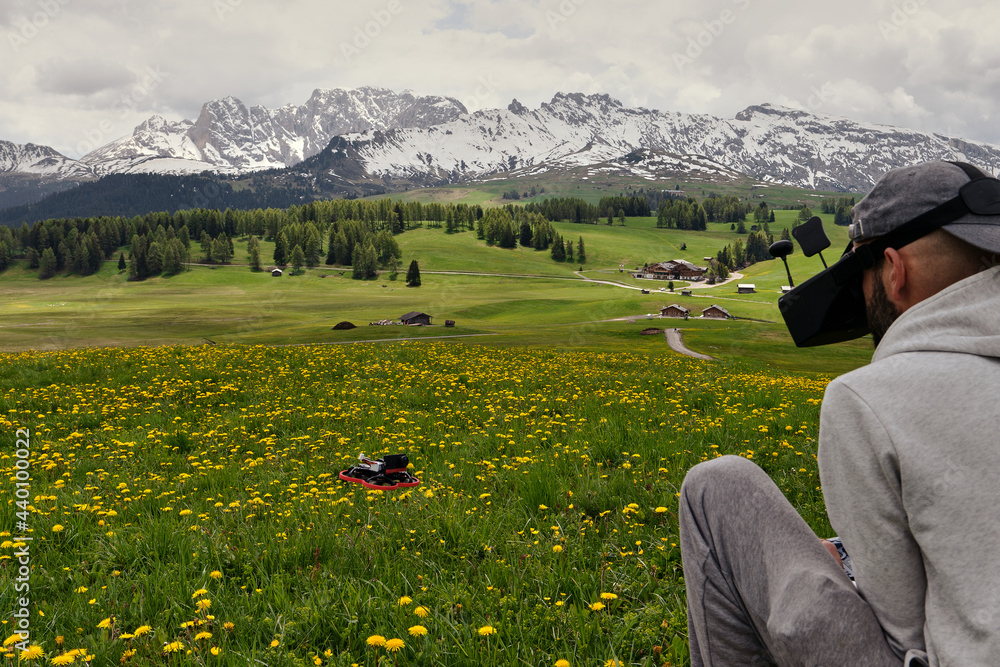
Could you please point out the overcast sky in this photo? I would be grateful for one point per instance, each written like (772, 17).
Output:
(79, 73)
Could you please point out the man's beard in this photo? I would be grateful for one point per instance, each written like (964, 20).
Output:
(881, 313)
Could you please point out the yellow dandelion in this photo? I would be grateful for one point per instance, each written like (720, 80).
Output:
(274, 643)
(199, 593)
(660, 510)
(34, 651)
(418, 631)
(203, 635)
(58, 528)
(486, 631)
(81, 589)
(405, 600)
(422, 612)
(562, 663)
(608, 596)
(127, 654)
(597, 606)
(557, 549)
(228, 626)
(204, 604)
(394, 645)
(375, 640)
(106, 623)
(13, 639)
(215, 574)
(126, 635)
(64, 659)
(542, 507)
(216, 650)
(173, 647)
(611, 662)
(142, 630)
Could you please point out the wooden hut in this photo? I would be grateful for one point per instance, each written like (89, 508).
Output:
(415, 317)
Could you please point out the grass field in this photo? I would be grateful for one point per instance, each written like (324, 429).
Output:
(185, 506)
(186, 434)
(548, 306)
(580, 182)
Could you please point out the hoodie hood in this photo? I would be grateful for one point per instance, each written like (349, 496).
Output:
(964, 318)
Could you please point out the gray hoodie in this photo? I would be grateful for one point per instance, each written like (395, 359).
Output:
(909, 456)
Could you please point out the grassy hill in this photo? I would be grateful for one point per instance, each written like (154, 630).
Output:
(187, 494)
(575, 183)
(519, 296)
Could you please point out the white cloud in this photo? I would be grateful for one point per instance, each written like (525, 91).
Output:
(932, 69)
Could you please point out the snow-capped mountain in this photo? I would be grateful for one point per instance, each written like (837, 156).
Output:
(29, 172)
(230, 137)
(39, 161)
(371, 140)
(766, 142)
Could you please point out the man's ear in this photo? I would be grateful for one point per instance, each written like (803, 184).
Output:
(895, 279)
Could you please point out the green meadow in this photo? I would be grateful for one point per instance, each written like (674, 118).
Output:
(186, 434)
(518, 296)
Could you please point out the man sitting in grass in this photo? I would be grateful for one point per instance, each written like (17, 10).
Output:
(909, 457)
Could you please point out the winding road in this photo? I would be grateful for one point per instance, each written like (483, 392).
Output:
(676, 343)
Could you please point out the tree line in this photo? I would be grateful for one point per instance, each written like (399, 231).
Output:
(342, 232)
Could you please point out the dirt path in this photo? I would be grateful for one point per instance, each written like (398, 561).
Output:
(676, 344)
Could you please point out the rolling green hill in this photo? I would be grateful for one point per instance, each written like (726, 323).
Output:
(517, 296)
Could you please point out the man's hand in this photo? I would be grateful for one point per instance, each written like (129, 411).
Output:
(832, 548)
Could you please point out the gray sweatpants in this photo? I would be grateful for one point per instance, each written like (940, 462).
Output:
(761, 589)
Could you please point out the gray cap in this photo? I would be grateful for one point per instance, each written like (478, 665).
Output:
(903, 194)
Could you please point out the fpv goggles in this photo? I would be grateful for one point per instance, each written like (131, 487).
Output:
(830, 306)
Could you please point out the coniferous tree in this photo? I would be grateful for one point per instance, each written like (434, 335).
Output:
(370, 261)
(558, 249)
(313, 247)
(32, 257)
(413, 275)
(331, 253)
(386, 248)
(281, 249)
(581, 252)
(253, 253)
(154, 259)
(47, 264)
(171, 257)
(364, 263)
(569, 251)
(343, 249)
(121, 262)
(206, 246)
(298, 259)
(220, 250)
(525, 235)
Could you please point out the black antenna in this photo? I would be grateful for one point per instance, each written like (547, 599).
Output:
(783, 249)
(812, 238)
